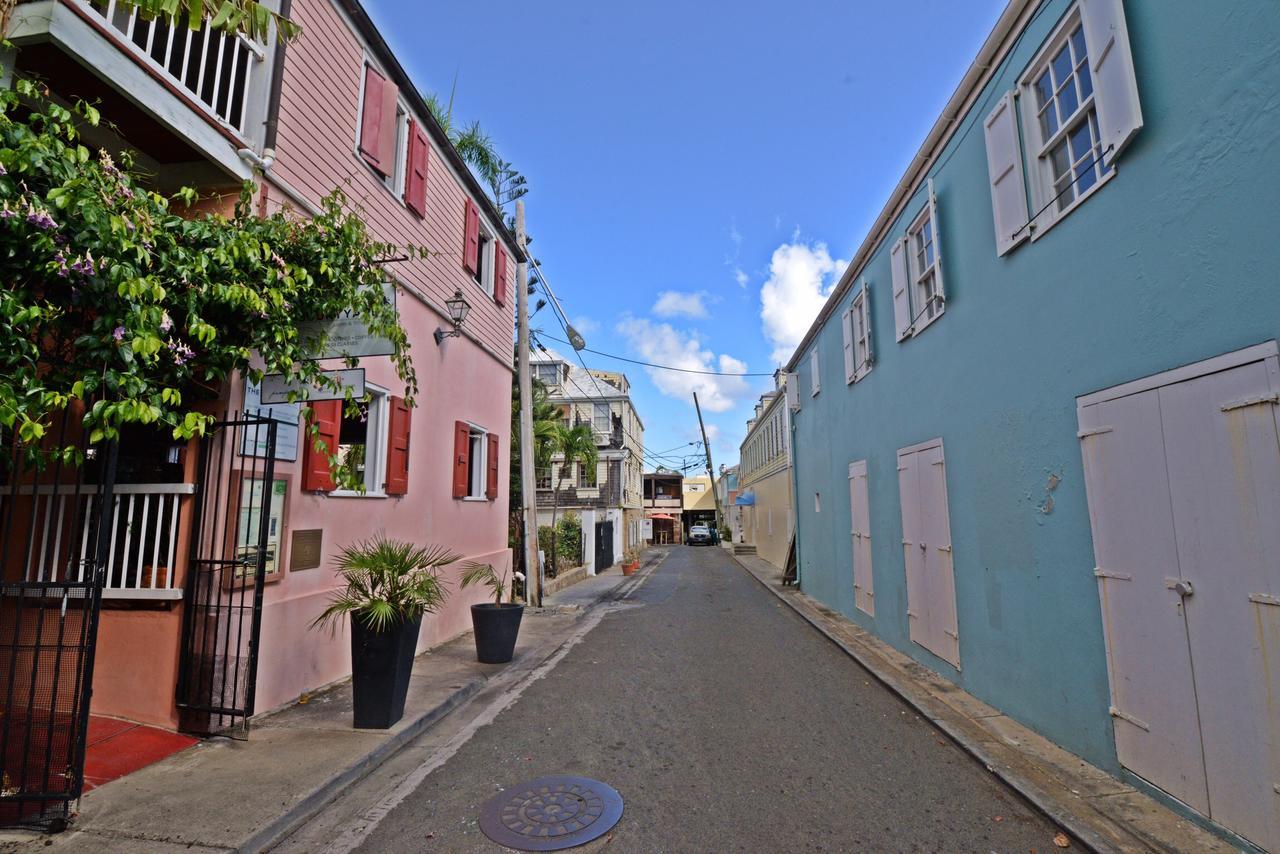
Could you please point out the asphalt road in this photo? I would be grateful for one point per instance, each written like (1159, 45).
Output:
(726, 723)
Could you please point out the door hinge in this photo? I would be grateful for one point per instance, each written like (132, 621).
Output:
(1116, 713)
(1106, 573)
(1273, 399)
(1085, 434)
(946, 549)
(951, 634)
(1264, 599)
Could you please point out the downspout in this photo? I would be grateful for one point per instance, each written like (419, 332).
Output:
(277, 84)
(793, 483)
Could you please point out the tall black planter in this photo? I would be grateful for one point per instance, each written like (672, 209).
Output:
(496, 628)
(381, 663)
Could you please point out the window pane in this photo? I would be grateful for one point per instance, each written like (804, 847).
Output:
(1086, 81)
(1081, 143)
(353, 442)
(1059, 160)
(1044, 91)
(1062, 67)
(1068, 103)
(1077, 44)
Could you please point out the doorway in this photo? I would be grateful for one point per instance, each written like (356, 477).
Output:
(1182, 472)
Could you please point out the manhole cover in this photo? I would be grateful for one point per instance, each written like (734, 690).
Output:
(551, 813)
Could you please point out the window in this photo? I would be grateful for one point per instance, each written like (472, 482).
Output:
(587, 476)
(859, 356)
(395, 180)
(483, 273)
(542, 478)
(362, 441)
(548, 375)
(601, 418)
(1080, 109)
(384, 130)
(475, 462)
(916, 265)
(815, 384)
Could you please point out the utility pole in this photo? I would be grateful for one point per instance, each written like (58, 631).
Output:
(711, 472)
(528, 479)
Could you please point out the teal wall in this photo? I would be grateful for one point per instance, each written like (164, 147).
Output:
(1172, 262)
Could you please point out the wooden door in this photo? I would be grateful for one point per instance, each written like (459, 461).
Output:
(926, 549)
(860, 532)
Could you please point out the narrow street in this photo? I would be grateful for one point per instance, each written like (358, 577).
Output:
(725, 722)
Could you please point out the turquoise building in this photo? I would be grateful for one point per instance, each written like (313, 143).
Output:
(1035, 425)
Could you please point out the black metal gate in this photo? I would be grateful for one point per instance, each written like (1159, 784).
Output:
(53, 551)
(229, 559)
(604, 545)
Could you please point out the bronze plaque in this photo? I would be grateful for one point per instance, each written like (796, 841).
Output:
(304, 549)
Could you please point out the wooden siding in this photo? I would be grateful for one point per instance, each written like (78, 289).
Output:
(316, 152)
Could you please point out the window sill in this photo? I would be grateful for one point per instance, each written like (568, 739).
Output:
(916, 330)
(1037, 233)
(347, 493)
(143, 593)
(474, 498)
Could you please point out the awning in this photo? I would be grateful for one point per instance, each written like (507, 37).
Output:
(662, 516)
(746, 499)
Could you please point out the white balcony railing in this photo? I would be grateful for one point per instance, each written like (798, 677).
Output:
(213, 66)
(143, 537)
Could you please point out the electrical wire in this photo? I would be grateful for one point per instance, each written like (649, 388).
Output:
(664, 367)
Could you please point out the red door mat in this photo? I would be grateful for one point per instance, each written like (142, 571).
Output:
(116, 748)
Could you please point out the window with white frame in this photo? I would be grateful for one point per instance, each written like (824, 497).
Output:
(600, 418)
(815, 383)
(362, 441)
(856, 327)
(587, 475)
(477, 463)
(548, 374)
(1066, 141)
(395, 181)
(923, 265)
(484, 260)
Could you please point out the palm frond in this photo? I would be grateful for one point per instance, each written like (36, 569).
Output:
(387, 581)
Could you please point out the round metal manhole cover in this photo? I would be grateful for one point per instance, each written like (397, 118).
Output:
(551, 813)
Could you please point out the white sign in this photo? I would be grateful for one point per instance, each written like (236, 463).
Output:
(346, 336)
(286, 415)
(276, 389)
(647, 529)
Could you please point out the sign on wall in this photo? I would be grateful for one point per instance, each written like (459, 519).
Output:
(346, 336)
(286, 415)
(276, 389)
(647, 529)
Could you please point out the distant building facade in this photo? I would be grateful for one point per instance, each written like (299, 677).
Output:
(764, 499)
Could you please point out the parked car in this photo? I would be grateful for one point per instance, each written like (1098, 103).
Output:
(700, 535)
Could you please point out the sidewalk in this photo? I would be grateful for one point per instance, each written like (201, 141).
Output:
(229, 795)
(1102, 812)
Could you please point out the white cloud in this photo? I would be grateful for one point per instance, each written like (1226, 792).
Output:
(740, 277)
(681, 304)
(662, 344)
(585, 325)
(801, 277)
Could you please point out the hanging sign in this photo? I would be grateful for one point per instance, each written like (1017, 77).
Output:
(346, 336)
(254, 442)
(276, 389)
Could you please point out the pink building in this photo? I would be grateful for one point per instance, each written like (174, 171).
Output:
(332, 110)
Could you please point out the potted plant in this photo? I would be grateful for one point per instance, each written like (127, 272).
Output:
(496, 623)
(631, 561)
(389, 585)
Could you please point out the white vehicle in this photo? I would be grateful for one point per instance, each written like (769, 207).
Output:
(700, 535)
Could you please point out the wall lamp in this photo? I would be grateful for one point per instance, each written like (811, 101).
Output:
(458, 310)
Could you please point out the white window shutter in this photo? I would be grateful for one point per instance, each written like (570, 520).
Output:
(1115, 85)
(815, 383)
(793, 392)
(846, 329)
(1004, 167)
(937, 249)
(866, 325)
(901, 293)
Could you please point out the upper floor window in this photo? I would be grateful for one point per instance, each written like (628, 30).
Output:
(815, 382)
(916, 263)
(548, 375)
(384, 129)
(586, 476)
(856, 327)
(476, 462)
(600, 420)
(1080, 109)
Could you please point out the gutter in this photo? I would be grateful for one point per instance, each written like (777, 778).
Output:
(990, 55)
(382, 50)
(277, 85)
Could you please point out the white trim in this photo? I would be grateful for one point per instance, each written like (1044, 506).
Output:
(377, 438)
(1224, 362)
(922, 446)
(919, 321)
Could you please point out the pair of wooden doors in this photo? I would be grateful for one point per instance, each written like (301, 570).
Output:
(1183, 479)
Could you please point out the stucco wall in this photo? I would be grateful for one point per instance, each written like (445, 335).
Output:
(772, 502)
(1172, 262)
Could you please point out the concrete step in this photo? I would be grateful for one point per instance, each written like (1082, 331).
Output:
(743, 549)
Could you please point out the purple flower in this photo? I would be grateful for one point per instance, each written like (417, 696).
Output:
(39, 218)
(166, 322)
(118, 333)
(6, 212)
(181, 352)
(3, 171)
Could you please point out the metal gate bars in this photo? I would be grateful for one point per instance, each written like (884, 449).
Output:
(52, 553)
(228, 565)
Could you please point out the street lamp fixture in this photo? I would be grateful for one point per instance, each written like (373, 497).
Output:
(458, 309)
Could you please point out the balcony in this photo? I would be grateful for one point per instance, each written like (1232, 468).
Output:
(183, 100)
(605, 495)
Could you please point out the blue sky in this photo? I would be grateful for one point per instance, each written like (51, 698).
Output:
(699, 172)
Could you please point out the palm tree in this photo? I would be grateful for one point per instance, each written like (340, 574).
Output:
(472, 143)
(576, 444)
(546, 417)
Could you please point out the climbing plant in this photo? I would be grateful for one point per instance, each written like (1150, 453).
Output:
(126, 301)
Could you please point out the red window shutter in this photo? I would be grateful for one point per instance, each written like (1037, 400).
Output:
(415, 183)
(371, 118)
(461, 453)
(491, 485)
(327, 416)
(471, 240)
(398, 448)
(500, 276)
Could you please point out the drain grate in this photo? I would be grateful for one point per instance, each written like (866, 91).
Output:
(551, 813)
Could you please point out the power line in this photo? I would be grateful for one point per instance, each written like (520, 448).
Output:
(663, 367)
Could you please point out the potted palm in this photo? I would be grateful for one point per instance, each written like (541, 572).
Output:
(496, 623)
(389, 585)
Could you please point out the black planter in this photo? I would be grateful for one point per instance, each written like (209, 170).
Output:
(496, 629)
(380, 666)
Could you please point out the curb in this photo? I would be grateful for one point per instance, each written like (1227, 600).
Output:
(283, 825)
(1034, 795)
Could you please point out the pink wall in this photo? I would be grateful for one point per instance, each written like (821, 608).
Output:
(459, 380)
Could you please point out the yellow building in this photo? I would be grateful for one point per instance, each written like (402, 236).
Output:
(764, 478)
